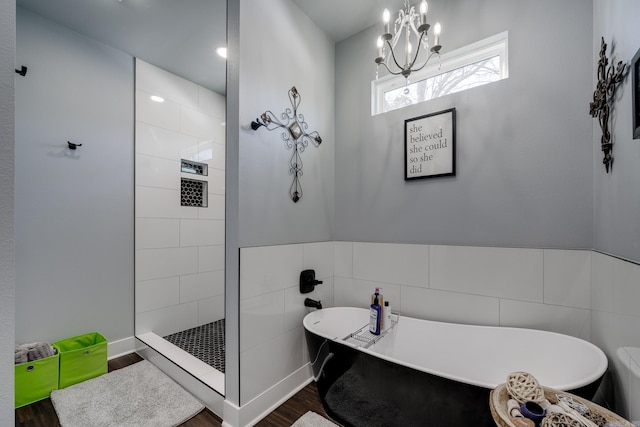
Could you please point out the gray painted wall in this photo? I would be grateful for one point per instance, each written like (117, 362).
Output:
(290, 51)
(284, 48)
(524, 175)
(617, 194)
(7, 259)
(73, 210)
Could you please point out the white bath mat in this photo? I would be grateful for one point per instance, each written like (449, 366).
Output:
(139, 395)
(311, 419)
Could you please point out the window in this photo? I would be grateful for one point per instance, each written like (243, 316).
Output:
(471, 66)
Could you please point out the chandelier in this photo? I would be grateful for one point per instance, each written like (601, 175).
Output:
(414, 27)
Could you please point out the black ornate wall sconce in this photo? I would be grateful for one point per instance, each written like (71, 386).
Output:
(294, 135)
(608, 79)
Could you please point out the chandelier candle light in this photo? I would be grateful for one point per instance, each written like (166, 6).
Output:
(414, 25)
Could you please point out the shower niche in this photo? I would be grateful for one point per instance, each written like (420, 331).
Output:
(193, 193)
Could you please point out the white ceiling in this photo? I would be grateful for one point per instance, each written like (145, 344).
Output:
(180, 36)
(341, 19)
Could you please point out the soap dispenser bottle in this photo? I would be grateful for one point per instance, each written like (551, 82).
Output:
(375, 316)
(378, 293)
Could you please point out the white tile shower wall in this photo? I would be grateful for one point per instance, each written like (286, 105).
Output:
(160, 203)
(164, 143)
(157, 233)
(615, 325)
(195, 287)
(179, 250)
(171, 87)
(210, 258)
(167, 320)
(210, 309)
(157, 293)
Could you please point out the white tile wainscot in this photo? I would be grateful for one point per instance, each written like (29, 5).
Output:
(615, 294)
(272, 309)
(576, 292)
(497, 272)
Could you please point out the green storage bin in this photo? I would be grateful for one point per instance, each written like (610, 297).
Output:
(35, 380)
(81, 358)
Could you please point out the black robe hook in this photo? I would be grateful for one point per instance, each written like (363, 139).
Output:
(73, 146)
(255, 125)
(22, 71)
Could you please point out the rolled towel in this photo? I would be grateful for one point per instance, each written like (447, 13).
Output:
(41, 351)
(38, 350)
(22, 355)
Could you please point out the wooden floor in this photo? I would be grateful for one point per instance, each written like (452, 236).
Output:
(42, 414)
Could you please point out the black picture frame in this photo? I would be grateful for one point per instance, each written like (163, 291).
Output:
(430, 145)
(635, 87)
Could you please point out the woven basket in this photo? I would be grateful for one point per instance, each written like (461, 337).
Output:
(499, 397)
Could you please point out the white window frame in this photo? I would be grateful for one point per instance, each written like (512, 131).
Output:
(497, 45)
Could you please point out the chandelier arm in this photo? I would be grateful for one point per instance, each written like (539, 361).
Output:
(389, 69)
(394, 39)
(425, 63)
(393, 55)
(415, 58)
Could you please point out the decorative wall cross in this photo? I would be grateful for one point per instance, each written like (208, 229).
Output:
(608, 78)
(295, 136)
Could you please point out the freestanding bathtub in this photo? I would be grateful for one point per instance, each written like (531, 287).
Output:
(426, 373)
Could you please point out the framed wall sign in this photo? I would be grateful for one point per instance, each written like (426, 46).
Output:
(430, 145)
(635, 87)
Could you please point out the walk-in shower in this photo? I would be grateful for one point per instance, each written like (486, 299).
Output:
(164, 51)
(180, 221)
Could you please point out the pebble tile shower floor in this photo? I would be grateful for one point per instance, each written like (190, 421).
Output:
(205, 342)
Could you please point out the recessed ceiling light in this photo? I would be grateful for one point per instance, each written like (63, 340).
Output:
(157, 98)
(222, 51)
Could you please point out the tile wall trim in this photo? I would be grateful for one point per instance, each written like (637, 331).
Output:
(621, 258)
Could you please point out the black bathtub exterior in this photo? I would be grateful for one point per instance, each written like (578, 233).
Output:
(358, 389)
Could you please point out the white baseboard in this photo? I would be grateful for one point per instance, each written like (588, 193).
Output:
(253, 411)
(121, 347)
(230, 414)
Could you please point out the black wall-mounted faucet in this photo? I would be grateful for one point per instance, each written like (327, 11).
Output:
(308, 302)
(308, 281)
